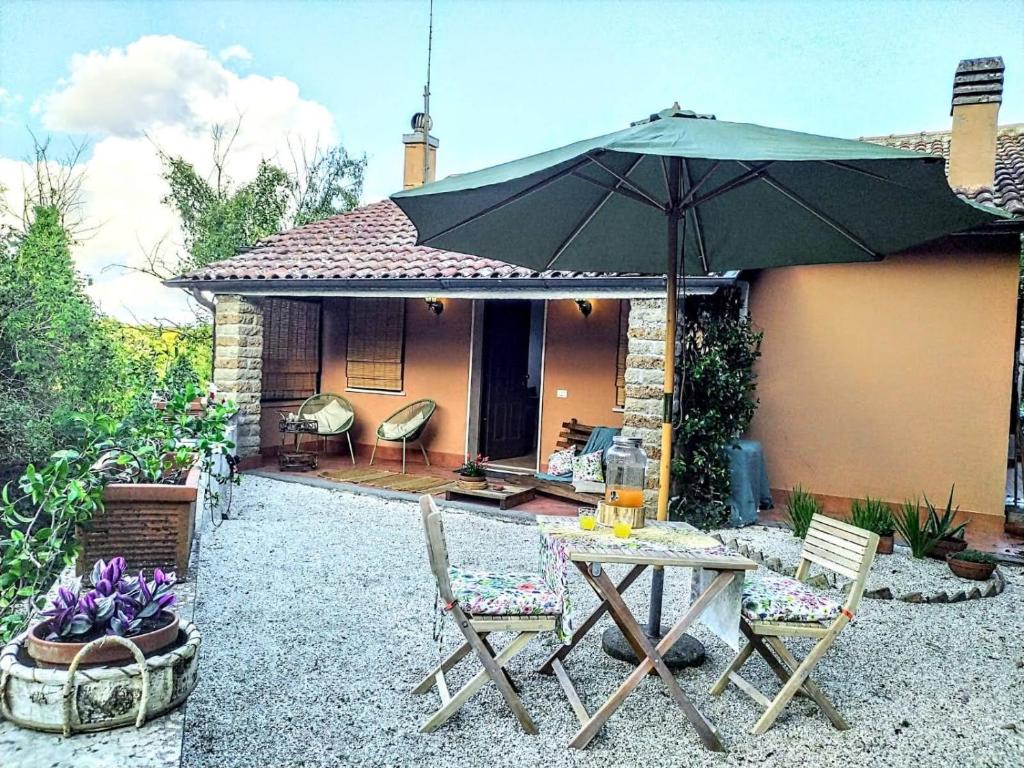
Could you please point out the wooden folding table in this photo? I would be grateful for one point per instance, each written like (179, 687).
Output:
(657, 544)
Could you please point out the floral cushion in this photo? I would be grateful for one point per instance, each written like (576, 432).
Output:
(588, 467)
(780, 598)
(560, 462)
(503, 594)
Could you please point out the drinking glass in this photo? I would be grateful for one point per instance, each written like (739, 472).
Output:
(587, 517)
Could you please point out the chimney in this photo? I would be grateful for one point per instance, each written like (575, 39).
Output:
(977, 93)
(420, 152)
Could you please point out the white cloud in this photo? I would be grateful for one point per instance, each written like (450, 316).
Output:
(235, 53)
(167, 93)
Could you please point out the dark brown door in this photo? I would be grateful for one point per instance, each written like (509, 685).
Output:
(509, 403)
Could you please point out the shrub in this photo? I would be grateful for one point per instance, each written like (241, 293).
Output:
(41, 509)
(716, 405)
(872, 515)
(802, 507)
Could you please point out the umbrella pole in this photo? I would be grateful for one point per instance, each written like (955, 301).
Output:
(687, 652)
(671, 298)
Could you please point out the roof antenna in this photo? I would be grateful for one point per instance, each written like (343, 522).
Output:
(427, 122)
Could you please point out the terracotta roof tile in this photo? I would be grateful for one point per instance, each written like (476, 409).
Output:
(377, 241)
(1008, 190)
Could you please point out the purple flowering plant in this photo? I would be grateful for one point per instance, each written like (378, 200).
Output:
(117, 604)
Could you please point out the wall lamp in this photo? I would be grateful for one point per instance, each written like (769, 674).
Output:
(584, 306)
(434, 304)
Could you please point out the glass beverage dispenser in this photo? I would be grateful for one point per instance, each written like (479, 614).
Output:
(625, 470)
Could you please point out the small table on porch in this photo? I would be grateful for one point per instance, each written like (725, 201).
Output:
(662, 544)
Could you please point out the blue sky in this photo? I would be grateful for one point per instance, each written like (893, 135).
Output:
(509, 78)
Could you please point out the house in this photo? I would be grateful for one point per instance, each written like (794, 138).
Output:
(887, 379)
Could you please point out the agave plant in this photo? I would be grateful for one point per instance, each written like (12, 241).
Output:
(802, 507)
(942, 527)
(872, 515)
(913, 530)
(116, 605)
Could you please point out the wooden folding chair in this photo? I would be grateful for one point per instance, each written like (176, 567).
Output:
(776, 607)
(477, 615)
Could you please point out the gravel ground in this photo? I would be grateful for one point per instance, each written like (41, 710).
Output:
(316, 607)
(900, 572)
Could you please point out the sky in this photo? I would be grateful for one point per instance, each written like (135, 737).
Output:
(508, 79)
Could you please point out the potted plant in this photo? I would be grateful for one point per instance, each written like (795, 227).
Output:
(947, 536)
(151, 469)
(874, 515)
(472, 474)
(118, 604)
(971, 564)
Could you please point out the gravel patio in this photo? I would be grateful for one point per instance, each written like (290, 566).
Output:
(316, 607)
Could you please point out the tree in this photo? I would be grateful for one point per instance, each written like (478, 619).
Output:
(219, 218)
(53, 352)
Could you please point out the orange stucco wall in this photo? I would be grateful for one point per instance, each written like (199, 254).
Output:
(579, 357)
(436, 367)
(889, 379)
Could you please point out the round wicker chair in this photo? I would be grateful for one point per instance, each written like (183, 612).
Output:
(406, 425)
(334, 415)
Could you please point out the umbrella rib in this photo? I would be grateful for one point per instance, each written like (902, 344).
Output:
(511, 199)
(742, 180)
(698, 229)
(700, 182)
(629, 184)
(822, 217)
(589, 216)
(854, 169)
(619, 190)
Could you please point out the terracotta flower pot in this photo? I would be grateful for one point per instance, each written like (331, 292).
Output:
(944, 547)
(149, 524)
(884, 544)
(966, 569)
(61, 654)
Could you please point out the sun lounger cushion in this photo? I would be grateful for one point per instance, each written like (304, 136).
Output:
(561, 462)
(588, 467)
(332, 417)
(503, 594)
(393, 430)
(780, 598)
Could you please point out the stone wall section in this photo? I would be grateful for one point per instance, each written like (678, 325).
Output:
(238, 365)
(644, 384)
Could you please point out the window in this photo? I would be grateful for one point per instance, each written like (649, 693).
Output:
(376, 341)
(291, 349)
(623, 350)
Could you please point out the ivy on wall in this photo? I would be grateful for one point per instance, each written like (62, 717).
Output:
(719, 400)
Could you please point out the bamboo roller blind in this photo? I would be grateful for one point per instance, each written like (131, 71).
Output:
(623, 350)
(376, 340)
(291, 349)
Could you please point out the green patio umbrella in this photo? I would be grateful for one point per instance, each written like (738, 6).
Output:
(681, 192)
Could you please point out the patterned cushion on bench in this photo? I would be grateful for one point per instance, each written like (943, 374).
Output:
(503, 594)
(780, 598)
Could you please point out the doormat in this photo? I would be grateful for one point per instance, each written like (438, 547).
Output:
(394, 481)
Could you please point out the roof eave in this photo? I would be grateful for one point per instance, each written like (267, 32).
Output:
(554, 288)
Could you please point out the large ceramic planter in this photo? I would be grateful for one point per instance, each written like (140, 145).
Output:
(98, 698)
(944, 547)
(148, 524)
(61, 654)
(966, 569)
